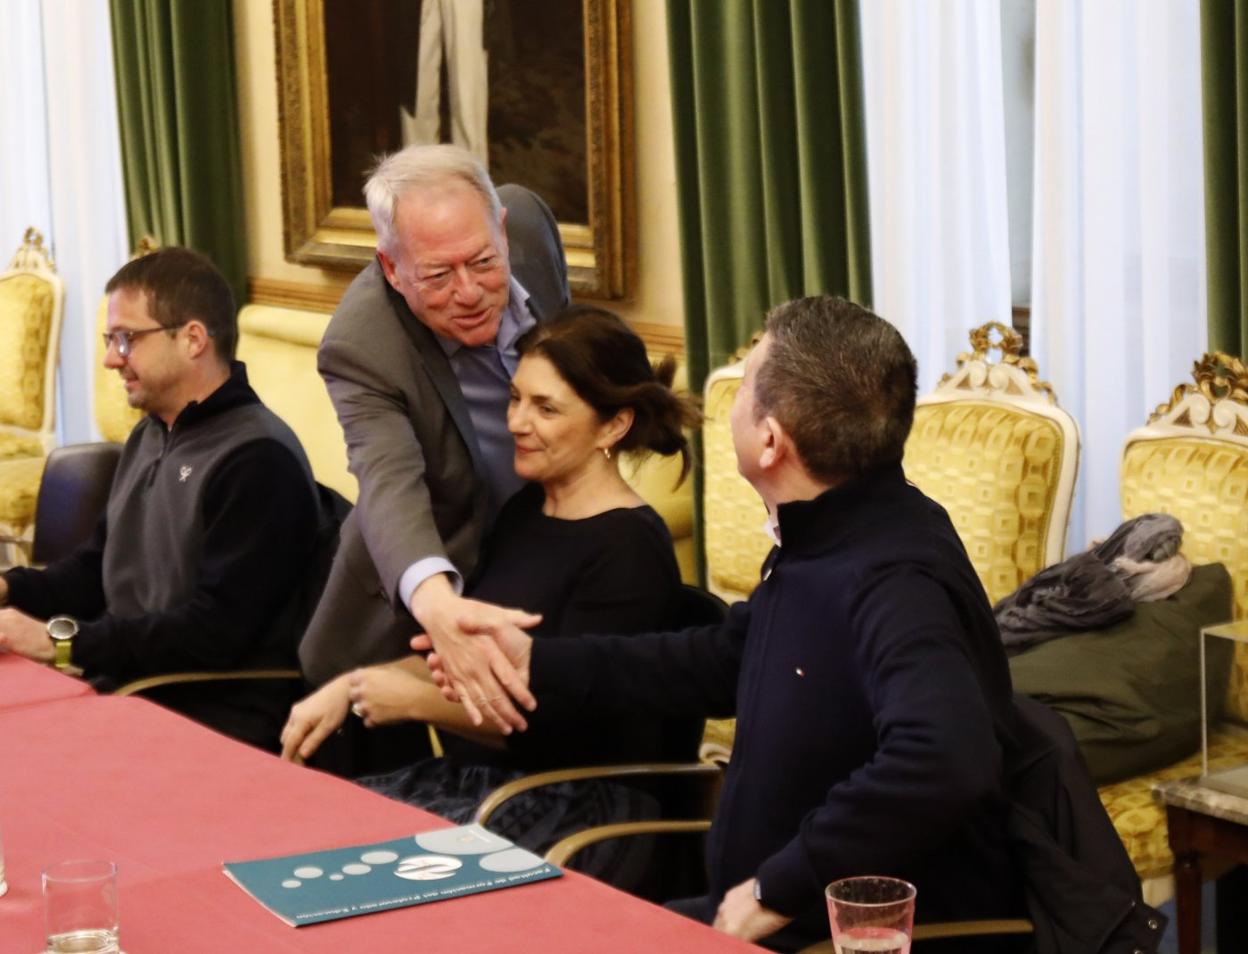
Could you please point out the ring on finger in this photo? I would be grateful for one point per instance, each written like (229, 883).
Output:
(357, 709)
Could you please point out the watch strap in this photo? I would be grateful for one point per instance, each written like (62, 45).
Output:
(64, 650)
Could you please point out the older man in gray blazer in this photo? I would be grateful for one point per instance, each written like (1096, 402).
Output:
(418, 359)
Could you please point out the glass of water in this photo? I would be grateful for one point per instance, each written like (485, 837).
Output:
(80, 907)
(871, 914)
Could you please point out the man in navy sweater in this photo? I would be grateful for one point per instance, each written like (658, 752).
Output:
(872, 695)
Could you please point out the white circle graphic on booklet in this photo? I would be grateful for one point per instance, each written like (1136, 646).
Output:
(336, 876)
(469, 840)
(291, 883)
(379, 857)
(308, 872)
(427, 867)
(513, 859)
(355, 868)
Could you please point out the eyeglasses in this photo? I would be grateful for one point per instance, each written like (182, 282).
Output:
(441, 280)
(124, 338)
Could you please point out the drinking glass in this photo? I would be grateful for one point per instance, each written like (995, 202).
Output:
(80, 907)
(871, 915)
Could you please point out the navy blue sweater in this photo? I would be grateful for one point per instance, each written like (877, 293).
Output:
(873, 703)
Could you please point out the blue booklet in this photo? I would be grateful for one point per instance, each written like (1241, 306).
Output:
(344, 882)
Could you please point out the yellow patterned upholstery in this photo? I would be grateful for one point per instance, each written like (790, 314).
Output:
(732, 511)
(996, 470)
(278, 345)
(1141, 823)
(114, 417)
(19, 486)
(15, 445)
(26, 308)
(992, 447)
(32, 305)
(1204, 483)
(1191, 461)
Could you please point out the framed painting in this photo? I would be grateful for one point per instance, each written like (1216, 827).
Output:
(540, 89)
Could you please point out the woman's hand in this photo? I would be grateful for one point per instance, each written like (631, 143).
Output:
(313, 719)
(384, 694)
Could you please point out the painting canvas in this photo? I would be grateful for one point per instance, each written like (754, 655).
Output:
(506, 80)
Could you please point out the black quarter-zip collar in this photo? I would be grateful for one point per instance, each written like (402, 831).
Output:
(234, 392)
(811, 527)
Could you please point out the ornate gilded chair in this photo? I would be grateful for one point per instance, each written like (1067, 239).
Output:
(991, 446)
(1191, 461)
(114, 417)
(732, 512)
(32, 306)
(733, 518)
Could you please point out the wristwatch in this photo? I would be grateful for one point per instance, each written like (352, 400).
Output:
(62, 630)
(758, 890)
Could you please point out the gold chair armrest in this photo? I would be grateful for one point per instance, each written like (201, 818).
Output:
(945, 929)
(510, 790)
(225, 675)
(942, 929)
(562, 850)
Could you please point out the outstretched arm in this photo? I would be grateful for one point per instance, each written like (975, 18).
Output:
(687, 673)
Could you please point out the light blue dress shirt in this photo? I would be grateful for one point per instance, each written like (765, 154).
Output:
(484, 376)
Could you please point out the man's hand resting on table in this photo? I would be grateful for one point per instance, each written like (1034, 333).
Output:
(482, 677)
(741, 916)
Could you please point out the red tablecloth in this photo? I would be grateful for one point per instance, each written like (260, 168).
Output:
(169, 801)
(23, 682)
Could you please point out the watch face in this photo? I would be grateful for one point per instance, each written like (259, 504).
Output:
(62, 627)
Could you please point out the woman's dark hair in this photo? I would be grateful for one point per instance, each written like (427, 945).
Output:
(606, 364)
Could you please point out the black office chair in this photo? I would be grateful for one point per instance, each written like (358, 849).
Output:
(72, 494)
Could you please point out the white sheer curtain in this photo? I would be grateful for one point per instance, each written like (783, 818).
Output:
(25, 194)
(60, 169)
(940, 252)
(1118, 307)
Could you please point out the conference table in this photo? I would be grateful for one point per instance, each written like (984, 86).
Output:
(25, 683)
(122, 779)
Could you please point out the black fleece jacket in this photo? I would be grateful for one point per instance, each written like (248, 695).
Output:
(873, 708)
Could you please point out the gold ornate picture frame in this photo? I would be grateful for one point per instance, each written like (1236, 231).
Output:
(601, 252)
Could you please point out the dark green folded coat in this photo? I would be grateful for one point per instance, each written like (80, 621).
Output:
(1131, 691)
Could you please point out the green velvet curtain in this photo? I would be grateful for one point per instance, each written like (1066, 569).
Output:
(771, 167)
(770, 160)
(179, 128)
(1224, 76)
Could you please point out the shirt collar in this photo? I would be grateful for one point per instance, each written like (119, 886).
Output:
(517, 318)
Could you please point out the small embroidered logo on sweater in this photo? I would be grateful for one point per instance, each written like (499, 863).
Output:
(184, 472)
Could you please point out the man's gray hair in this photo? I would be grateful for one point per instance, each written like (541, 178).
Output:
(841, 381)
(417, 167)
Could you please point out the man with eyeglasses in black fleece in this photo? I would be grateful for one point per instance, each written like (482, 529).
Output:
(199, 560)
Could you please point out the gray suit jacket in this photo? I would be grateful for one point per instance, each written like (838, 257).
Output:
(411, 446)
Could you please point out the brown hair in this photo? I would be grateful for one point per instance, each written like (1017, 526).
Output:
(181, 285)
(606, 364)
(841, 381)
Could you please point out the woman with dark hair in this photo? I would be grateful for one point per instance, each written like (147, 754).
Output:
(575, 545)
